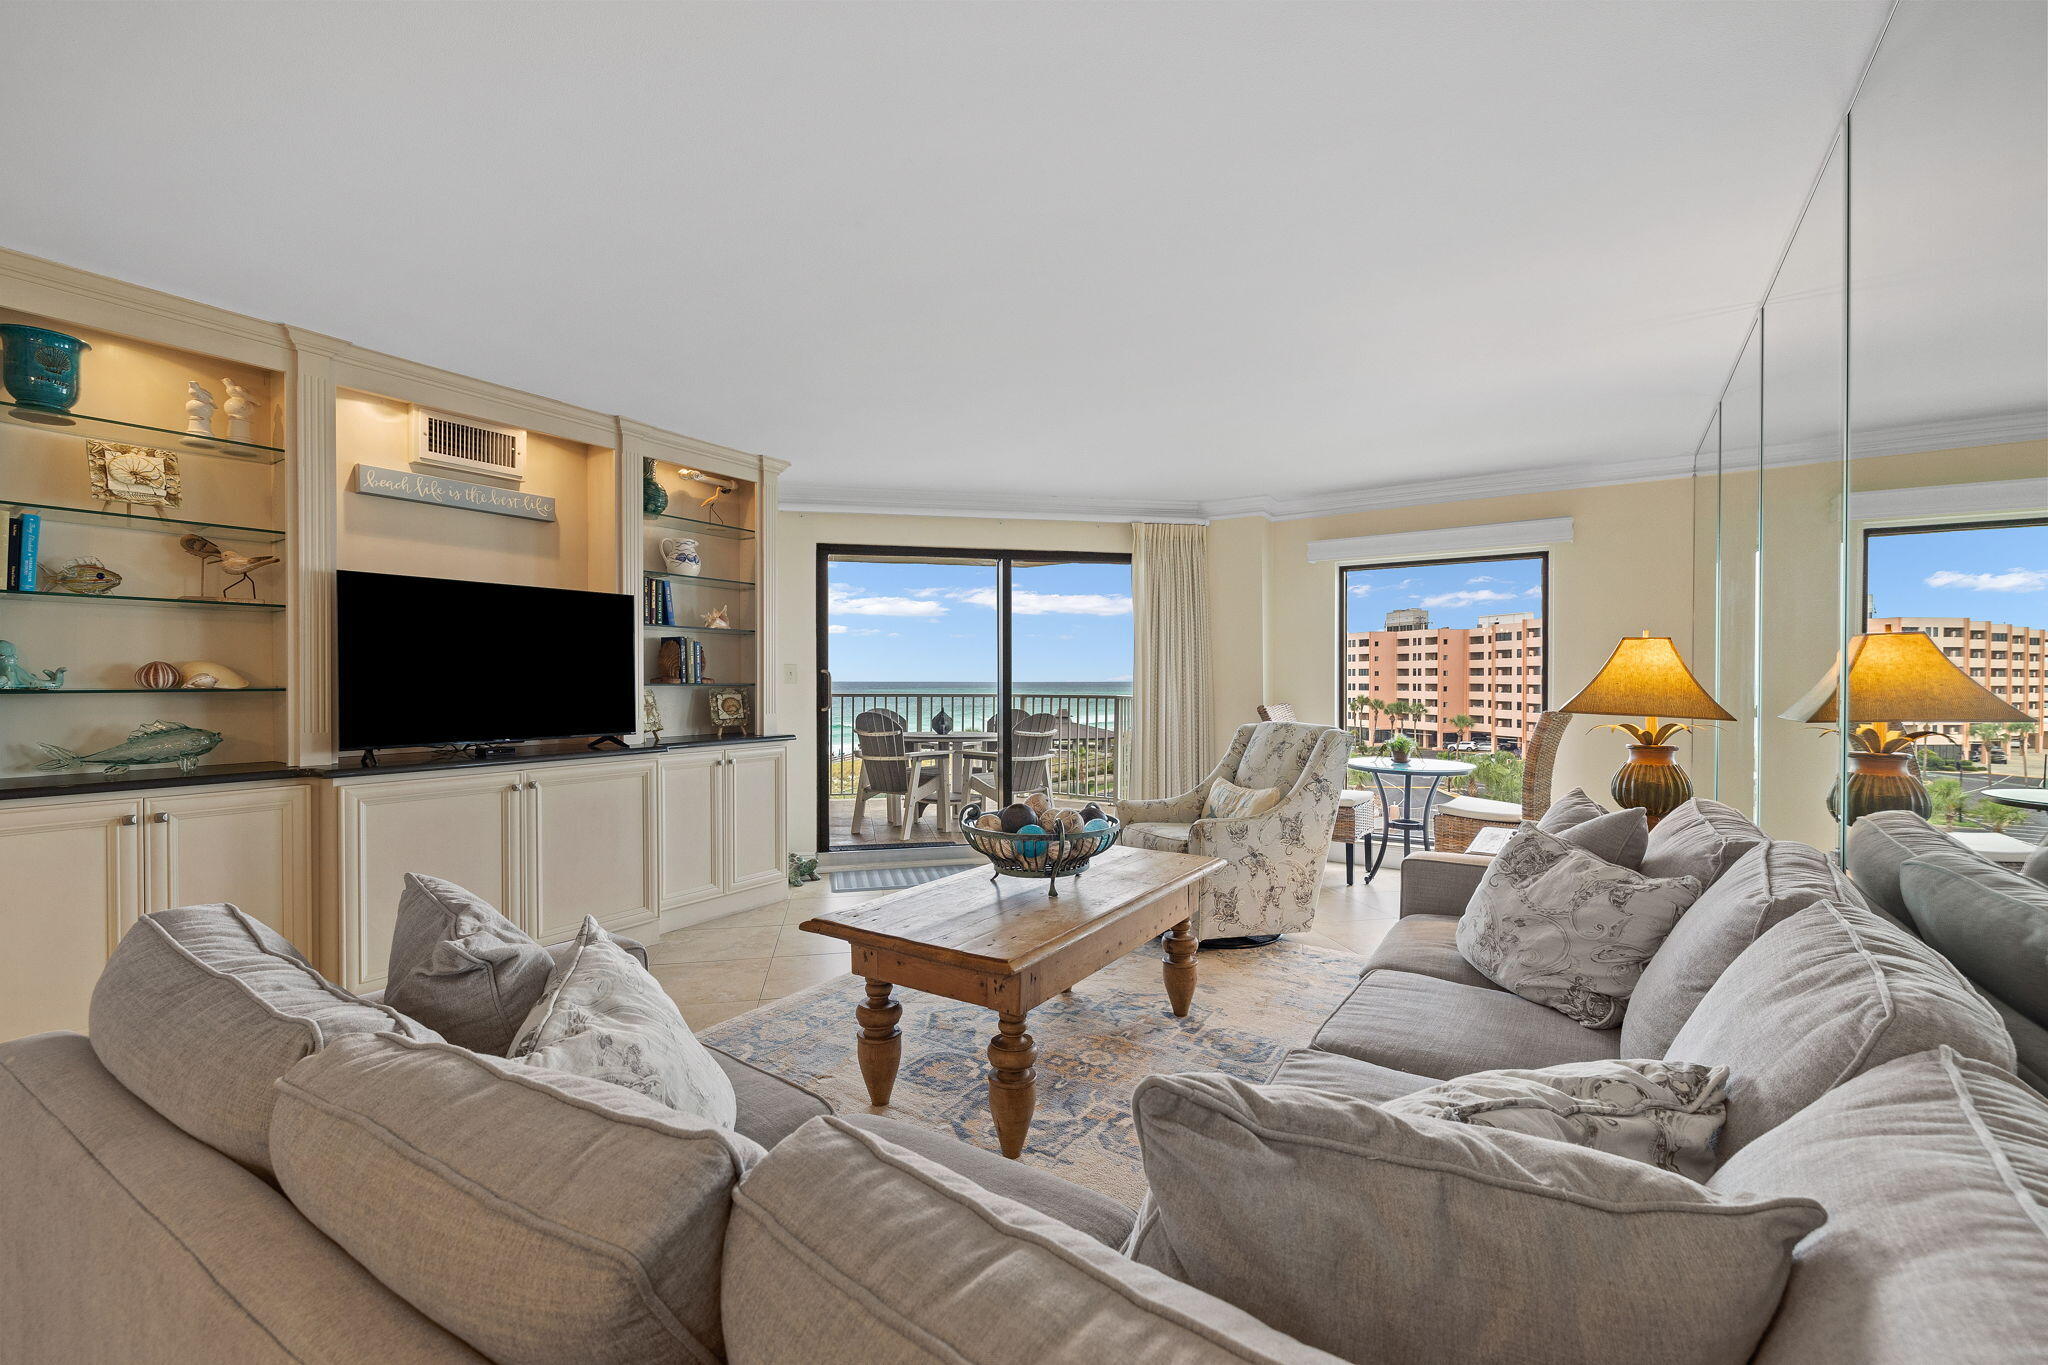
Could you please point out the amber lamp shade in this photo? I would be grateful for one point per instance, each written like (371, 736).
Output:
(1646, 677)
(1903, 677)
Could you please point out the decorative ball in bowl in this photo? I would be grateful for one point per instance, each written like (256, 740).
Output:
(1030, 838)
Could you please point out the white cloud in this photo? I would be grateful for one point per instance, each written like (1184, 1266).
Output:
(1024, 602)
(2013, 580)
(843, 599)
(1467, 597)
(1483, 578)
(835, 630)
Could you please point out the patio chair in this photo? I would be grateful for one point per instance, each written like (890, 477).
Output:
(1030, 760)
(1275, 858)
(910, 779)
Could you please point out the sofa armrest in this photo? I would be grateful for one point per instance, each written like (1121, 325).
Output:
(1171, 810)
(1440, 883)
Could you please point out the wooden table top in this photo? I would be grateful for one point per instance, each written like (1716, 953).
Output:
(1006, 925)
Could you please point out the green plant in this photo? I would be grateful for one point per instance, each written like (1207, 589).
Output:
(1462, 724)
(1498, 777)
(1400, 748)
(1993, 815)
(1945, 796)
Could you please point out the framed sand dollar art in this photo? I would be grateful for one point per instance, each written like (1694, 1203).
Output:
(728, 709)
(135, 474)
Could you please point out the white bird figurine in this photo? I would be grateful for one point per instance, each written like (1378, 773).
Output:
(232, 562)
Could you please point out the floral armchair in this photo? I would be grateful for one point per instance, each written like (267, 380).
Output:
(1276, 858)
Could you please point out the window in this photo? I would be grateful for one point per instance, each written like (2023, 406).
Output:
(1484, 614)
(1982, 590)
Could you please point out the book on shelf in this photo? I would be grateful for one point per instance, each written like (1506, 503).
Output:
(24, 543)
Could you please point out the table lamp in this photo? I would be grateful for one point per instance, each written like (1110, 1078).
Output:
(1645, 677)
(1897, 675)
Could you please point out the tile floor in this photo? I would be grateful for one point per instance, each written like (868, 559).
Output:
(728, 966)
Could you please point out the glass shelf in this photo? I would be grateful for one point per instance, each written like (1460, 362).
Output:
(696, 630)
(108, 691)
(733, 583)
(59, 595)
(717, 529)
(135, 433)
(745, 687)
(137, 521)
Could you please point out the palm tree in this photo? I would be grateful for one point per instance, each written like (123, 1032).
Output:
(1461, 724)
(1400, 709)
(1356, 704)
(1378, 706)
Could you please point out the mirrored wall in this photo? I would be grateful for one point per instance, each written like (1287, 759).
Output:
(1877, 463)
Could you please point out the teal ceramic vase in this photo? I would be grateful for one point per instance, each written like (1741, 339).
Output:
(39, 366)
(653, 497)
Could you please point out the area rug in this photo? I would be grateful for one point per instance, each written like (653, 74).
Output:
(889, 878)
(1095, 1044)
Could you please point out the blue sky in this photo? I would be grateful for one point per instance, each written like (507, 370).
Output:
(937, 622)
(1995, 574)
(1455, 595)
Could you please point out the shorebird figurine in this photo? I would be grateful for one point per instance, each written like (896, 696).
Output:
(236, 565)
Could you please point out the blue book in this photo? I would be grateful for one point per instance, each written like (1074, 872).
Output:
(31, 546)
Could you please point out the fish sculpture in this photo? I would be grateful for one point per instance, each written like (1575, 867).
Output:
(158, 742)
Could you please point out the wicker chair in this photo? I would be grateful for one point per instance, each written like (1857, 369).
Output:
(1277, 710)
(1457, 822)
(910, 778)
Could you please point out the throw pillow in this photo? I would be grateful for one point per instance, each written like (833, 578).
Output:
(1617, 836)
(604, 1016)
(1827, 995)
(1573, 808)
(460, 967)
(2035, 868)
(1229, 801)
(1377, 1236)
(1701, 839)
(1558, 926)
(1988, 920)
(1665, 1113)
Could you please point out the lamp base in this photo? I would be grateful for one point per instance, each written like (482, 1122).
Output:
(1652, 780)
(1879, 782)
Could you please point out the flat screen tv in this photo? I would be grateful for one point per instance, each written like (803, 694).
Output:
(443, 661)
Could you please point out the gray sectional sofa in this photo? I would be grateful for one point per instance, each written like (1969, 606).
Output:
(213, 1178)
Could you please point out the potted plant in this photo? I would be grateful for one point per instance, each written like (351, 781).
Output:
(1400, 749)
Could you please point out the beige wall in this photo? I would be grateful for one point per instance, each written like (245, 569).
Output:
(798, 536)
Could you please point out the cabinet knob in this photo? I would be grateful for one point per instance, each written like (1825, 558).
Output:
(163, 817)
(131, 819)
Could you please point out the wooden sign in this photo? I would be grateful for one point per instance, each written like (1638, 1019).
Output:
(473, 497)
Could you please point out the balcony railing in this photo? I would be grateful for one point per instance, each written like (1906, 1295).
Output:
(1087, 748)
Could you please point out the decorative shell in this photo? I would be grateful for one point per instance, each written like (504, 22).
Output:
(204, 674)
(158, 675)
(86, 576)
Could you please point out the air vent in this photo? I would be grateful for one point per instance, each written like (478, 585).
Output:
(470, 444)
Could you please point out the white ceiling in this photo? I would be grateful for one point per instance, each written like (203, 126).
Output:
(1148, 252)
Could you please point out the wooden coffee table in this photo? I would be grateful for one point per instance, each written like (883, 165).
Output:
(1006, 945)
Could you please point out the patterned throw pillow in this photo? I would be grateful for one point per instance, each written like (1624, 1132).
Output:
(1665, 1113)
(1228, 801)
(606, 1018)
(1558, 926)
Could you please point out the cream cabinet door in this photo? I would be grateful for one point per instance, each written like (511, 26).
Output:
(692, 827)
(70, 886)
(466, 827)
(596, 846)
(756, 789)
(251, 846)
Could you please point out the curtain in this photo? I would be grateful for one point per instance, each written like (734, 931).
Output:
(1170, 684)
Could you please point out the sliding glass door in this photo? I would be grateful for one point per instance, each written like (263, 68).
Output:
(948, 678)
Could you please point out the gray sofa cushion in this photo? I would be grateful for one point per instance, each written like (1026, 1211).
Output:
(122, 1239)
(1991, 922)
(1077, 1206)
(1427, 945)
(1620, 837)
(770, 1108)
(201, 1009)
(1827, 995)
(2035, 868)
(1573, 808)
(1700, 838)
(1313, 1069)
(1934, 1172)
(1879, 846)
(460, 967)
(1384, 1238)
(536, 1215)
(1440, 1029)
(1766, 885)
(844, 1246)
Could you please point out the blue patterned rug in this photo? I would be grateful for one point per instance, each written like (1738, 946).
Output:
(1094, 1045)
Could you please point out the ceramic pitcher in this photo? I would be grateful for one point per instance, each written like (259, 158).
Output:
(680, 553)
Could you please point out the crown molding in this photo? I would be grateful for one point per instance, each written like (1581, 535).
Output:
(1947, 502)
(51, 289)
(1498, 537)
(688, 450)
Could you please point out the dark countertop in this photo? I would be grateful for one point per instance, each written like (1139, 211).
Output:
(218, 774)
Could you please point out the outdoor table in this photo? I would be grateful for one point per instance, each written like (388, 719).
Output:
(954, 741)
(1384, 771)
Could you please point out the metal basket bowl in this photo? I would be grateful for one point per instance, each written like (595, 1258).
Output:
(1046, 856)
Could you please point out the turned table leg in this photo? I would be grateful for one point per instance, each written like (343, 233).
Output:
(1012, 1082)
(1181, 944)
(881, 1042)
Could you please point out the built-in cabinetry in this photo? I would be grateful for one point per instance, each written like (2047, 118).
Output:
(724, 795)
(78, 873)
